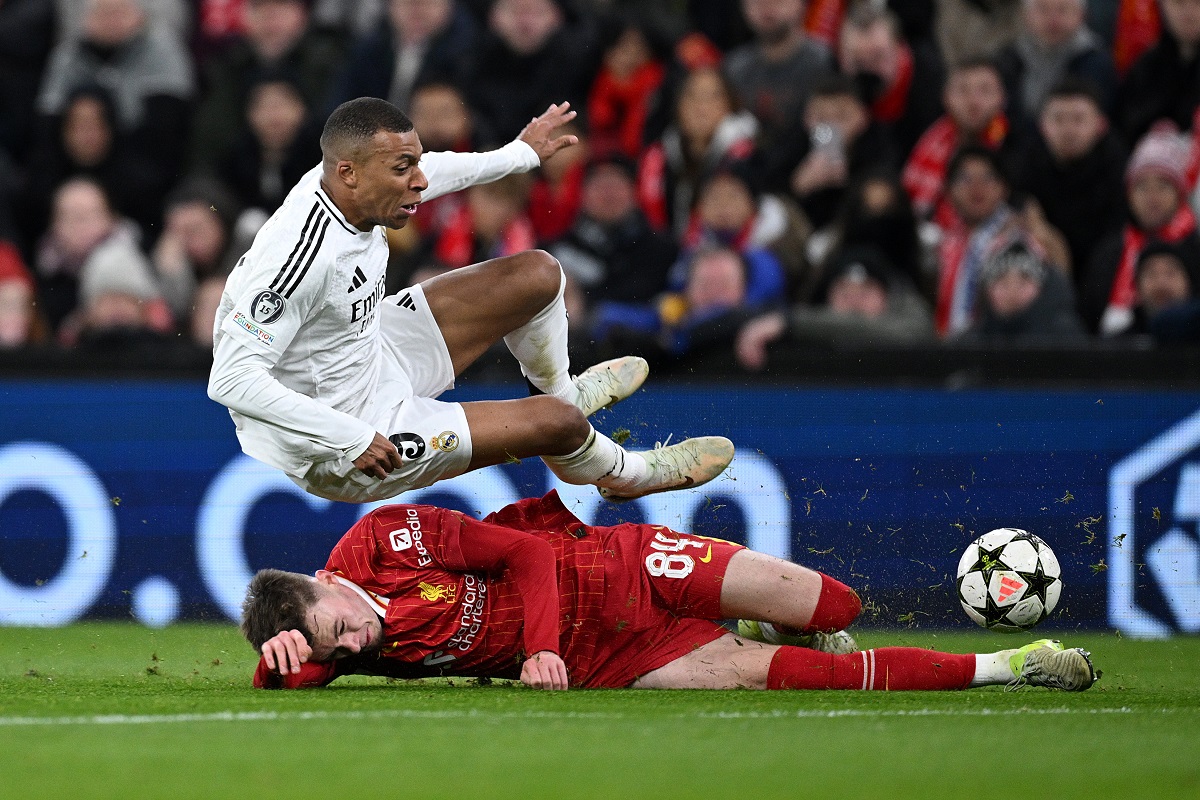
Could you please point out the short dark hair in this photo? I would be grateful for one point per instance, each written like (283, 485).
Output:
(836, 85)
(977, 62)
(356, 121)
(277, 601)
(1074, 86)
(975, 152)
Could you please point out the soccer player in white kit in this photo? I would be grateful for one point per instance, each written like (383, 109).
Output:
(333, 383)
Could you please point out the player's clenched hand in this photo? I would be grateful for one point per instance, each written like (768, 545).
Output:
(379, 459)
(286, 651)
(544, 670)
(538, 134)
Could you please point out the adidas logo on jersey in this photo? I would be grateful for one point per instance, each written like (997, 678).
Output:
(358, 280)
(407, 302)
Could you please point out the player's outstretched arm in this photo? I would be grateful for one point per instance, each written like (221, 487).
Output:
(451, 172)
(544, 670)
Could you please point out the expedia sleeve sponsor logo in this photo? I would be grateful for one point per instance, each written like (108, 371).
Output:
(242, 321)
(267, 307)
(410, 536)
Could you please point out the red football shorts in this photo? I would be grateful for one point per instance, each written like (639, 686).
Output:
(662, 593)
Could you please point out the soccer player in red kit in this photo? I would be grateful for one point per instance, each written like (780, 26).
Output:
(531, 592)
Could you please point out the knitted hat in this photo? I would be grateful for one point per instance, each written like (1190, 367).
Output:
(1016, 256)
(1164, 152)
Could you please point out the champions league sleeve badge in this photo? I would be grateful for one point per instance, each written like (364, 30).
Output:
(267, 307)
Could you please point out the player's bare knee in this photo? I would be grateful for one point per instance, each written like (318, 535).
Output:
(564, 426)
(541, 275)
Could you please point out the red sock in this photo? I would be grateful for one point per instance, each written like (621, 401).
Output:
(886, 669)
(837, 606)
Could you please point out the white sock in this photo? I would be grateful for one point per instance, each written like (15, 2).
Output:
(602, 462)
(992, 668)
(540, 346)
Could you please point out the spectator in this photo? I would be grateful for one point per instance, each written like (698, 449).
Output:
(877, 214)
(197, 241)
(119, 304)
(277, 146)
(20, 323)
(611, 252)
(278, 40)
(973, 29)
(622, 91)
(26, 39)
(1165, 82)
(1168, 288)
(421, 40)
(528, 59)
(1156, 190)
(1055, 42)
(774, 74)
(864, 302)
(974, 99)
(840, 143)
(146, 71)
(493, 223)
(557, 191)
(1074, 169)
(708, 311)
(984, 222)
(730, 212)
(708, 132)
(1022, 302)
(86, 143)
(902, 84)
(87, 236)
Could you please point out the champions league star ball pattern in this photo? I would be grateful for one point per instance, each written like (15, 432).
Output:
(1009, 580)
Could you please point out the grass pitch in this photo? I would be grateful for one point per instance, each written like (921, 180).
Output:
(116, 710)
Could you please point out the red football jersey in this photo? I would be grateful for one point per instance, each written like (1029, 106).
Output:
(460, 596)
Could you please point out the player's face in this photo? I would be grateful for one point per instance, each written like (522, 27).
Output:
(389, 180)
(341, 622)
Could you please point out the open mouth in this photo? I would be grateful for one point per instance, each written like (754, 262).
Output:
(410, 209)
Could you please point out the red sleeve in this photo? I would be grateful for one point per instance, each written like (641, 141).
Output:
(311, 675)
(530, 563)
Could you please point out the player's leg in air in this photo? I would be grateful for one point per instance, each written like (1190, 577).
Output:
(520, 299)
(799, 604)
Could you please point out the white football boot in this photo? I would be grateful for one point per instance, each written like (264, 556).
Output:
(609, 382)
(692, 462)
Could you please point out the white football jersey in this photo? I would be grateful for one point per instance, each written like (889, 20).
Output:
(305, 298)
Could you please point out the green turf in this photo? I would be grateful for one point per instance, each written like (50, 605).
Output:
(1136, 734)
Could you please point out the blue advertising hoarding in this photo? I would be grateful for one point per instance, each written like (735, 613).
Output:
(132, 498)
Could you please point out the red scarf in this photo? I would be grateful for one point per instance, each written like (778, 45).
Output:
(617, 108)
(1138, 28)
(652, 185)
(891, 105)
(1124, 287)
(456, 246)
(924, 175)
(824, 20)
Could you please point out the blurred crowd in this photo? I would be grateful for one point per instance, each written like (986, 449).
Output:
(750, 174)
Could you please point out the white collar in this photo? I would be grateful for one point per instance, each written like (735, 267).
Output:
(375, 601)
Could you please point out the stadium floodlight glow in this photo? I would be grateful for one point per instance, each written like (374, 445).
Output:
(91, 534)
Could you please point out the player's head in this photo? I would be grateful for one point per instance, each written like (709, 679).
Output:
(370, 154)
(334, 619)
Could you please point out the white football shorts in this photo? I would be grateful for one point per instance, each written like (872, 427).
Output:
(431, 435)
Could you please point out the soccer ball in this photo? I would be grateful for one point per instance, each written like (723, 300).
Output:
(1009, 580)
